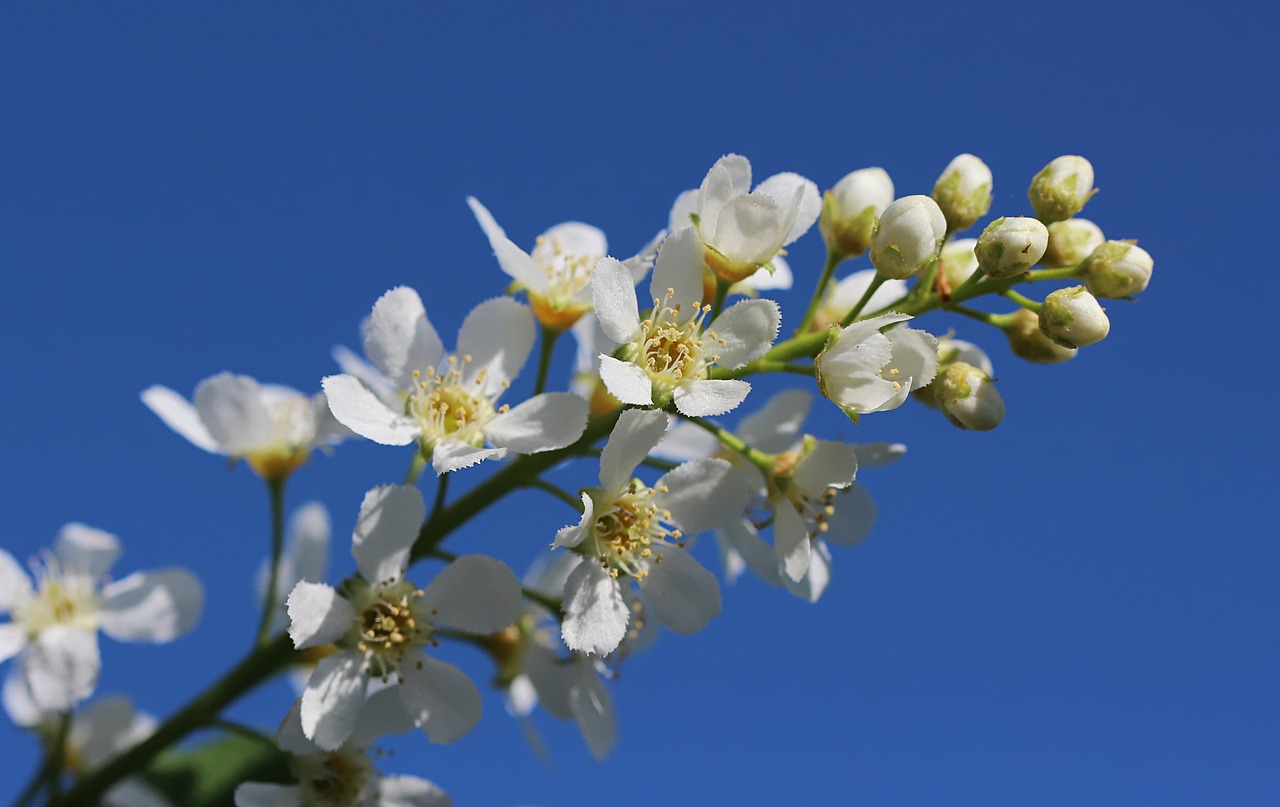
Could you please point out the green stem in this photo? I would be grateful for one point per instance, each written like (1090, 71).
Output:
(276, 488)
(852, 316)
(730, 440)
(561, 494)
(1001, 321)
(722, 292)
(261, 663)
(416, 465)
(834, 257)
(1025, 302)
(58, 756)
(549, 337)
(442, 490)
(232, 727)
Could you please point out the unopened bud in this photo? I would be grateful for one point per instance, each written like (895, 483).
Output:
(958, 260)
(963, 192)
(1072, 318)
(968, 397)
(849, 210)
(1011, 246)
(907, 236)
(1070, 242)
(1061, 188)
(1028, 342)
(1117, 269)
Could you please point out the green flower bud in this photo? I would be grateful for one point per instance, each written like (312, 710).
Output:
(1072, 318)
(1117, 269)
(849, 210)
(968, 397)
(1070, 242)
(1027, 341)
(1011, 246)
(906, 237)
(963, 192)
(1061, 188)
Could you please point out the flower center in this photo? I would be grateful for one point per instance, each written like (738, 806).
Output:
(671, 346)
(568, 273)
(337, 779)
(391, 623)
(628, 529)
(449, 407)
(62, 597)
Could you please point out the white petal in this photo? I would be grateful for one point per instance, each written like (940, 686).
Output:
(230, 406)
(680, 593)
(875, 455)
(498, 335)
(308, 542)
(334, 697)
(513, 260)
(790, 541)
(454, 456)
(593, 710)
(751, 229)
(357, 408)
(783, 188)
(389, 520)
(475, 593)
(318, 615)
(365, 373)
(156, 606)
(678, 272)
(640, 263)
(855, 513)
(410, 791)
(634, 436)
(550, 678)
(759, 557)
(134, 792)
(729, 177)
(383, 713)
(626, 381)
(773, 427)
(915, 356)
(18, 701)
(13, 638)
(398, 338)
(90, 550)
(15, 586)
(290, 736)
(710, 398)
(683, 210)
(441, 697)
(102, 730)
(61, 667)
(263, 794)
(685, 441)
(574, 534)
(595, 614)
(542, 423)
(180, 416)
(828, 464)
(703, 494)
(748, 329)
(613, 295)
(815, 580)
(571, 238)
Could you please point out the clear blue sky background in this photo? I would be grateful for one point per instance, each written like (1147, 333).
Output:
(1080, 607)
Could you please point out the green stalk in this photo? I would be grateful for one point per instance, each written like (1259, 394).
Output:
(276, 488)
(834, 258)
(549, 337)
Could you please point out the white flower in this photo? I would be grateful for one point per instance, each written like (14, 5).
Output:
(1072, 317)
(53, 625)
(1011, 245)
(849, 210)
(841, 297)
(383, 624)
(557, 274)
(968, 397)
(963, 191)
(1071, 241)
(344, 776)
(274, 428)
(907, 236)
(100, 732)
(1061, 188)
(863, 370)
(630, 530)
(450, 408)
(1117, 269)
(743, 232)
(665, 356)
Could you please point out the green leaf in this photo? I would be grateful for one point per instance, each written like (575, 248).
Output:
(207, 775)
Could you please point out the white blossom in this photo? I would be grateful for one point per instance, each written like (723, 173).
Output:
(1011, 245)
(272, 427)
(383, 625)
(863, 370)
(665, 356)
(907, 236)
(1073, 318)
(963, 191)
(1061, 188)
(450, 406)
(742, 229)
(631, 531)
(1117, 269)
(53, 625)
(850, 209)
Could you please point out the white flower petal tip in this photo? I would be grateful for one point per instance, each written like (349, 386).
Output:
(475, 593)
(441, 698)
(356, 406)
(317, 615)
(747, 331)
(710, 398)
(454, 456)
(154, 606)
(545, 422)
(389, 520)
(683, 596)
(178, 414)
(595, 612)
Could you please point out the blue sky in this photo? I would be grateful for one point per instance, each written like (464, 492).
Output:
(1080, 607)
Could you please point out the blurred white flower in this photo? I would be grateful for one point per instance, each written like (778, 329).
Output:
(863, 370)
(450, 407)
